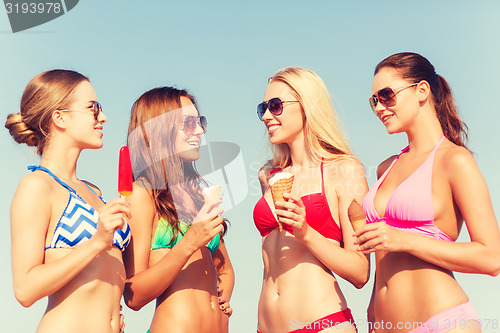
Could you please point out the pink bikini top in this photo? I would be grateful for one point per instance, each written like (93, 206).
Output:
(318, 215)
(409, 207)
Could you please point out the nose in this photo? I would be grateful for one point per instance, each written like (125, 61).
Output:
(198, 130)
(267, 115)
(378, 109)
(102, 117)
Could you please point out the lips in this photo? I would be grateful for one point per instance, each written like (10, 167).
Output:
(194, 143)
(272, 128)
(386, 117)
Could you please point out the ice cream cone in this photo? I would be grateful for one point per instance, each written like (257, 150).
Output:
(281, 183)
(211, 193)
(356, 215)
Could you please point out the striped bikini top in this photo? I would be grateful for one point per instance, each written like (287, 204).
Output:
(78, 221)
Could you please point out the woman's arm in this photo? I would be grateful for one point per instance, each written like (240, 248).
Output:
(144, 282)
(470, 193)
(225, 284)
(344, 181)
(225, 276)
(30, 215)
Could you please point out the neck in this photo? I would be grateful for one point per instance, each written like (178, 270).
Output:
(298, 153)
(61, 159)
(425, 133)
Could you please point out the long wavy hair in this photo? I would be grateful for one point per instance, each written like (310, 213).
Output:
(322, 131)
(416, 68)
(154, 124)
(45, 93)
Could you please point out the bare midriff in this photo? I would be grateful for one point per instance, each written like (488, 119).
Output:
(297, 287)
(409, 291)
(190, 304)
(90, 302)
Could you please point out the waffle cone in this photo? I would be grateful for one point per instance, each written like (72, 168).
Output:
(358, 224)
(356, 215)
(278, 189)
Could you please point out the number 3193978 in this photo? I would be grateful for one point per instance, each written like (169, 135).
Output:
(33, 8)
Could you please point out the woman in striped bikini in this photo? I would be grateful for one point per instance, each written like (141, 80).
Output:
(66, 241)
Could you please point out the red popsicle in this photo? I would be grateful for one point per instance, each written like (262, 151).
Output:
(125, 172)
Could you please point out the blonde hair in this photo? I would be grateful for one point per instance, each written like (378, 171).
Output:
(321, 127)
(45, 93)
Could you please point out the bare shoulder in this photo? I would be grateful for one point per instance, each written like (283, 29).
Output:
(344, 168)
(33, 196)
(458, 160)
(382, 167)
(37, 183)
(93, 187)
(141, 197)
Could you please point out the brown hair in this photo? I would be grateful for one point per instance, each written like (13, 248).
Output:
(151, 138)
(414, 67)
(45, 93)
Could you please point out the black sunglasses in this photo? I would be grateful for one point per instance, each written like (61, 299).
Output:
(96, 109)
(386, 96)
(190, 122)
(274, 105)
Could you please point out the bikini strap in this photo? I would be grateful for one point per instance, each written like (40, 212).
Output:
(41, 168)
(322, 179)
(432, 152)
(438, 144)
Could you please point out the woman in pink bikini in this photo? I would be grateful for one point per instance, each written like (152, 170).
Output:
(417, 207)
(300, 292)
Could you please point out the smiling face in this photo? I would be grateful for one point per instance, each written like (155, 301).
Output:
(82, 125)
(288, 126)
(187, 145)
(399, 117)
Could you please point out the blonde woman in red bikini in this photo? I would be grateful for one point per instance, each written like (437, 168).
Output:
(417, 207)
(302, 262)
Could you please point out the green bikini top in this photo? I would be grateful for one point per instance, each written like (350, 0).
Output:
(164, 233)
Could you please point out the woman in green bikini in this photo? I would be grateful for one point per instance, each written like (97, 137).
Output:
(177, 255)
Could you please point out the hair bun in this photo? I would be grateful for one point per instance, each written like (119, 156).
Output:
(20, 131)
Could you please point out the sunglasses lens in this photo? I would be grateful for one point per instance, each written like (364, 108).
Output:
(386, 96)
(97, 108)
(261, 109)
(203, 123)
(373, 102)
(189, 124)
(275, 106)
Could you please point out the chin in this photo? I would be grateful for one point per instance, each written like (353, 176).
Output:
(393, 129)
(275, 140)
(95, 145)
(190, 155)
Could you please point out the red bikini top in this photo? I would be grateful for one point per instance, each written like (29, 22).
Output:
(318, 215)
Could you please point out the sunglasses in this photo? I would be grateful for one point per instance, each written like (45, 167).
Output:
(190, 122)
(96, 109)
(386, 96)
(274, 105)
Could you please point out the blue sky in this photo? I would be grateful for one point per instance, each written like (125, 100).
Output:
(223, 52)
